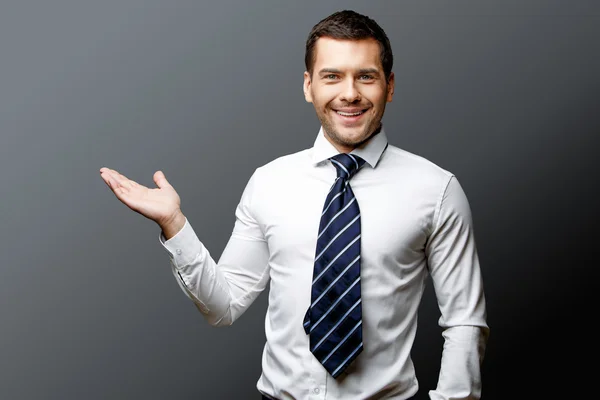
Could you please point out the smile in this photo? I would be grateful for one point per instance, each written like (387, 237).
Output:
(351, 116)
(347, 114)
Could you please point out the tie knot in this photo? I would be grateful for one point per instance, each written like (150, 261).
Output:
(347, 164)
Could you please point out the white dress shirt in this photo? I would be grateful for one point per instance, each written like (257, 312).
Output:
(415, 221)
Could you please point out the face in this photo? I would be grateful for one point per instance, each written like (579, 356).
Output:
(348, 90)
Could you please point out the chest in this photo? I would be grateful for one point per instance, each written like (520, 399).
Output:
(394, 217)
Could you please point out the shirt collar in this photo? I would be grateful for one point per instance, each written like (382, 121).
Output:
(370, 151)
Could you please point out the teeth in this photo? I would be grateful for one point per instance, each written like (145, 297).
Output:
(349, 114)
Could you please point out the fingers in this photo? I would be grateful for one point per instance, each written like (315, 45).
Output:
(122, 179)
(115, 180)
(106, 177)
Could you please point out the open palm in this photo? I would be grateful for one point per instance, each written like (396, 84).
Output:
(158, 204)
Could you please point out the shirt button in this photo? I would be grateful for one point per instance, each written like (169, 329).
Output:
(316, 390)
(178, 251)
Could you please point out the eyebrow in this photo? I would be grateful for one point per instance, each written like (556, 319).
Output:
(368, 71)
(329, 70)
(360, 71)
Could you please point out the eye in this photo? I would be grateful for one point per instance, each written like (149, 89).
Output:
(330, 76)
(366, 77)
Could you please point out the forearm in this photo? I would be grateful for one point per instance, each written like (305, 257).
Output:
(221, 291)
(206, 287)
(198, 276)
(460, 371)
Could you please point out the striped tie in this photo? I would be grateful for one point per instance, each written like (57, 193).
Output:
(334, 318)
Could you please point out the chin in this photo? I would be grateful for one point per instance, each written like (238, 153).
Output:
(353, 135)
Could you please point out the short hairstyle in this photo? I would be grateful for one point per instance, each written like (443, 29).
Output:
(349, 25)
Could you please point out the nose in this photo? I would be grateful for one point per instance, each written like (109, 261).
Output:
(350, 93)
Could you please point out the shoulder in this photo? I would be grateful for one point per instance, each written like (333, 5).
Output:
(424, 170)
(273, 177)
(284, 166)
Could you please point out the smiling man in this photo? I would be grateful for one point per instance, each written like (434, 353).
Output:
(345, 234)
(349, 87)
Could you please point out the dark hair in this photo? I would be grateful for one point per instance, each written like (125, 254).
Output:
(349, 25)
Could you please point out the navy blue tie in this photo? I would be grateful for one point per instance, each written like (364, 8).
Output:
(334, 318)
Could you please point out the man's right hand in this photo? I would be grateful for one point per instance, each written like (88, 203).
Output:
(161, 205)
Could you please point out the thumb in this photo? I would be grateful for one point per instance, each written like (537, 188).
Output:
(160, 180)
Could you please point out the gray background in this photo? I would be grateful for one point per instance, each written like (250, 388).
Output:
(503, 94)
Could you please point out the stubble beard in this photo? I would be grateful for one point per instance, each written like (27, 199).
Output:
(369, 131)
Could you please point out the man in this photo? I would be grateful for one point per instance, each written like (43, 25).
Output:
(346, 233)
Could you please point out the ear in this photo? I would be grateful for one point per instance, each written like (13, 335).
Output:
(306, 87)
(390, 88)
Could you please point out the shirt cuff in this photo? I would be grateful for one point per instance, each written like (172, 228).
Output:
(184, 247)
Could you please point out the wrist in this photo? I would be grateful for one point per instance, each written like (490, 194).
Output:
(173, 225)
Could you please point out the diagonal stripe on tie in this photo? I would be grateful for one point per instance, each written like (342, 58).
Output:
(334, 318)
